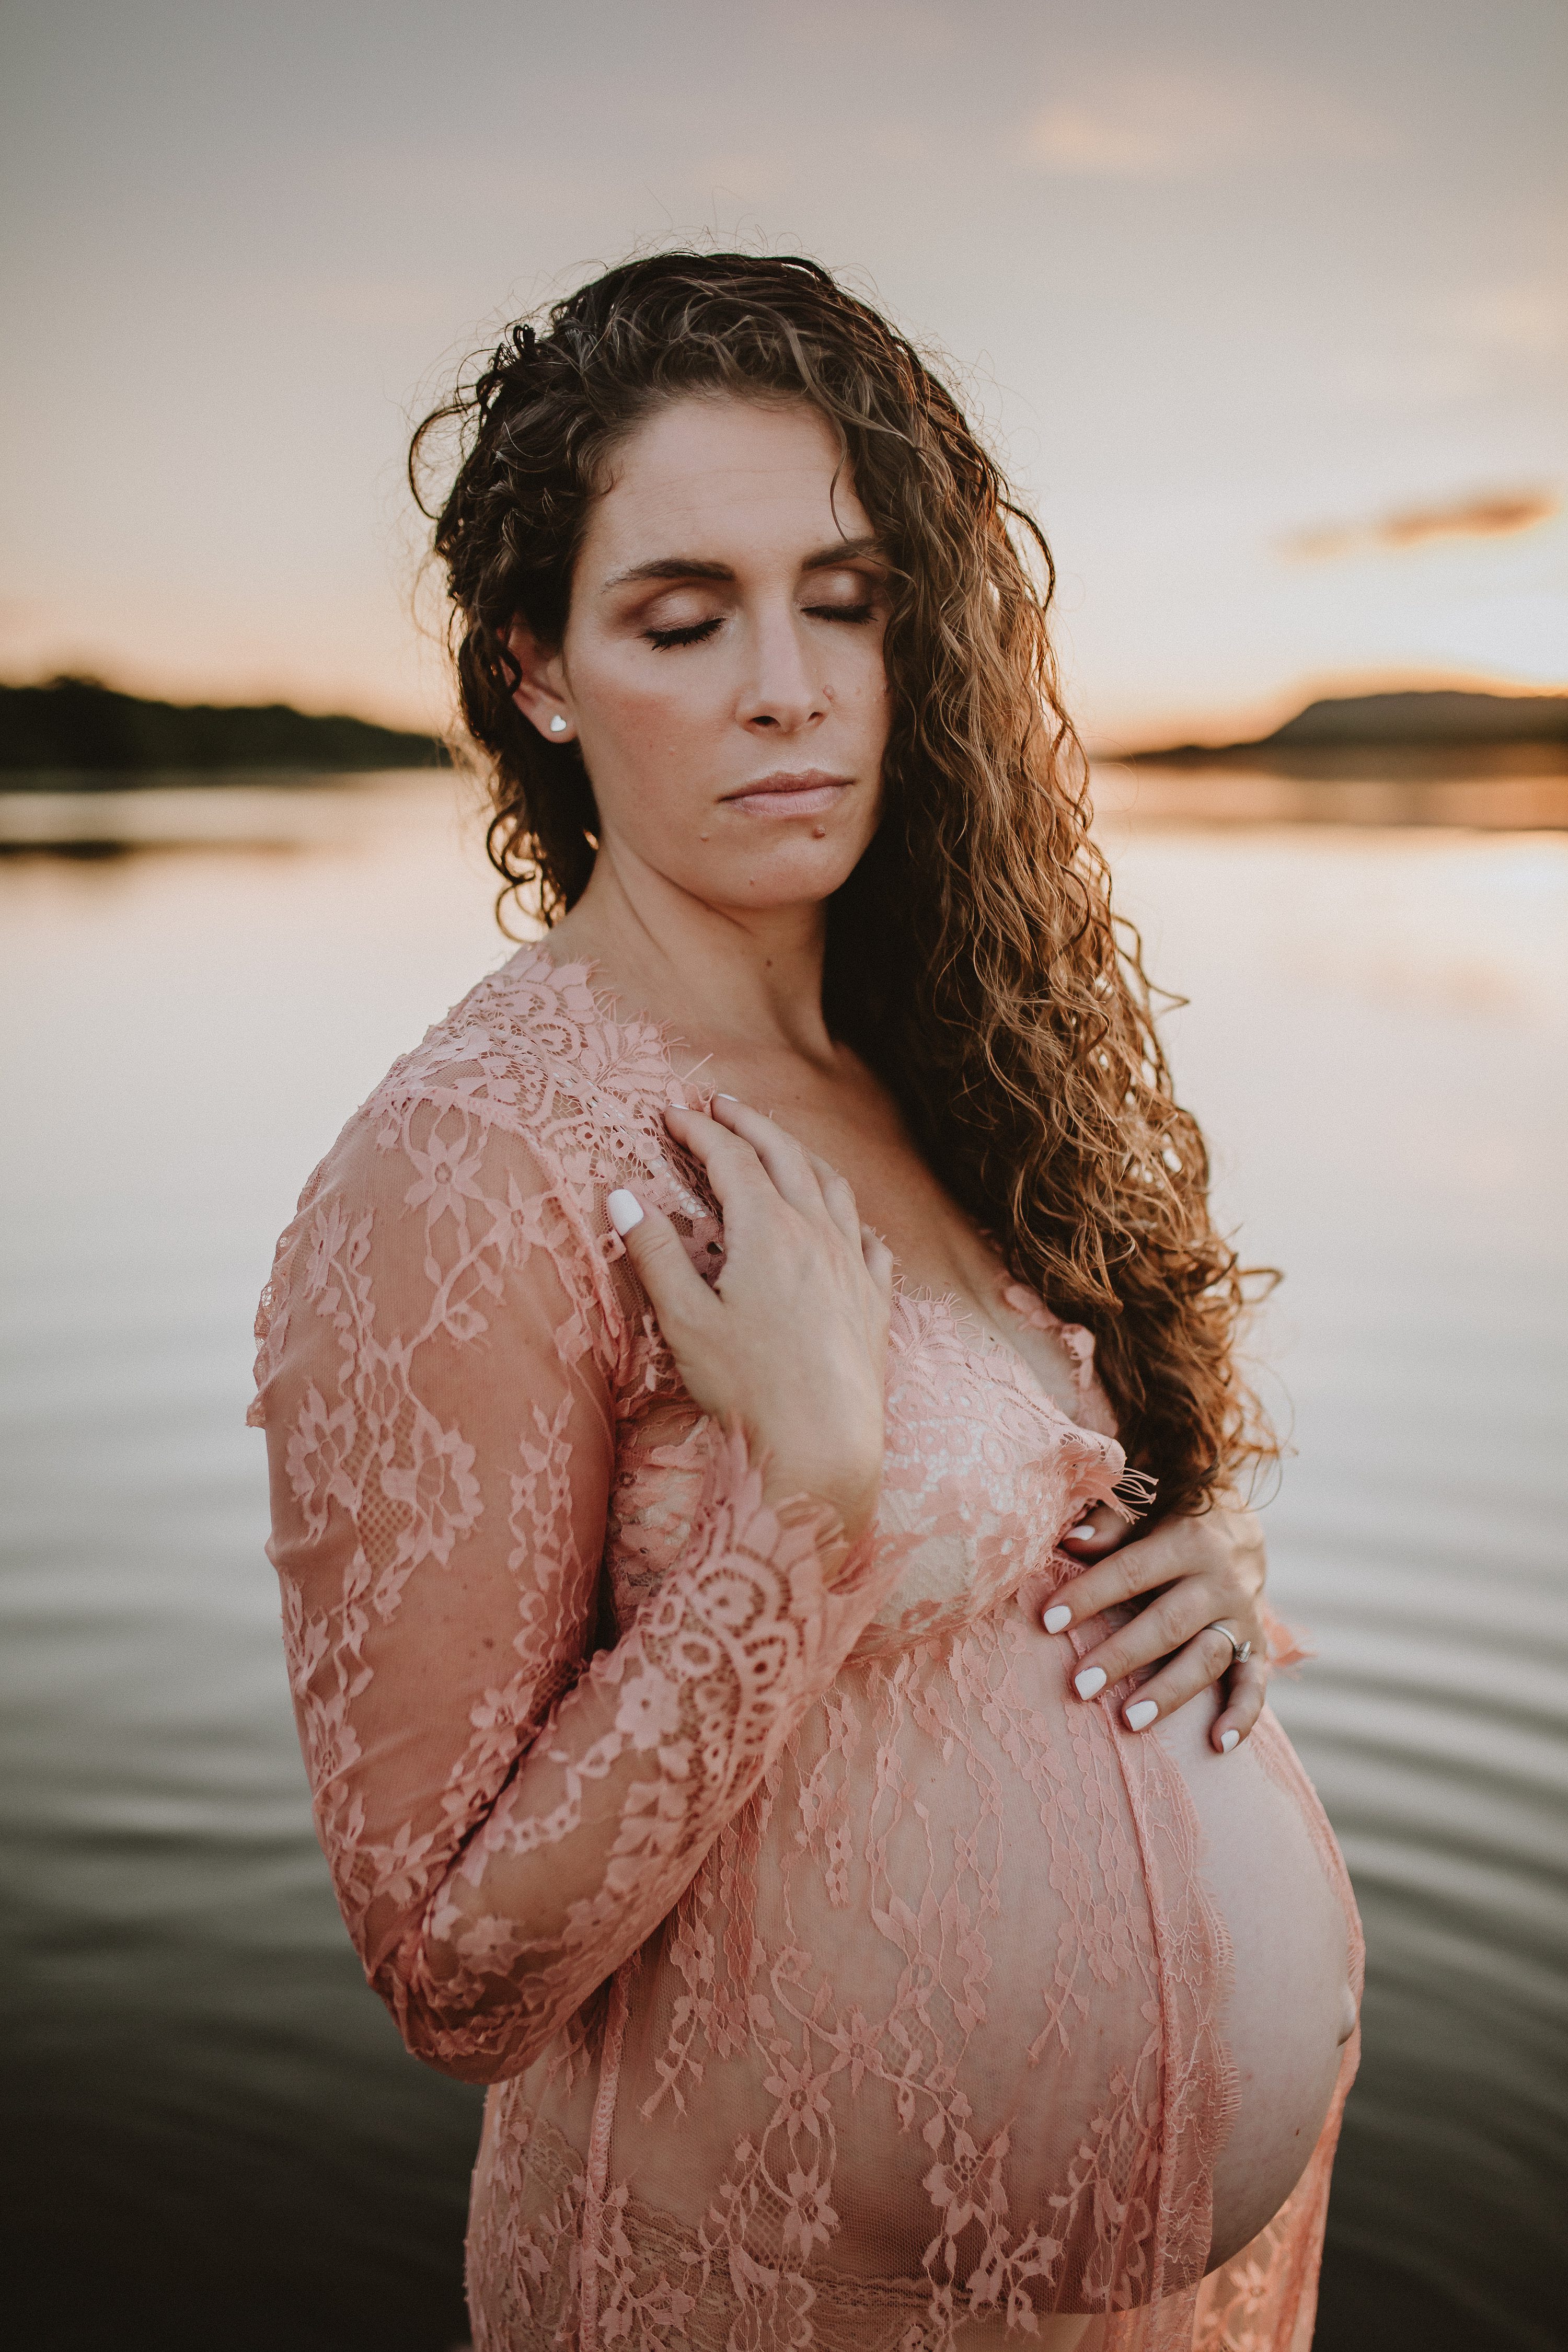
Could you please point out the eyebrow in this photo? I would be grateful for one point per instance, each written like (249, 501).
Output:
(693, 567)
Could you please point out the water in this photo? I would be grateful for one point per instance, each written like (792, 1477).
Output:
(215, 2135)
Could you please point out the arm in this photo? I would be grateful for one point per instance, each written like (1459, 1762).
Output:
(505, 1822)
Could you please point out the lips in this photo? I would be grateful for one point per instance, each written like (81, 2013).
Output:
(807, 792)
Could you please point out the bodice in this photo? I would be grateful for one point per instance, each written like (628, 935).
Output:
(981, 1472)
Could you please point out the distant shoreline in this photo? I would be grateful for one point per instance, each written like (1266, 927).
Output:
(1413, 737)
(76, 735)
(1491, 762)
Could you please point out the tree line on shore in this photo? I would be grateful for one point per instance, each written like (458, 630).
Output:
(77, 726)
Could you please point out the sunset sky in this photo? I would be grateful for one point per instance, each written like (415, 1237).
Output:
(1265, 305)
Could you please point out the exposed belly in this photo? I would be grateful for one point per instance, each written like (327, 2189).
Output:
(1288, 2008)
(909, 2011)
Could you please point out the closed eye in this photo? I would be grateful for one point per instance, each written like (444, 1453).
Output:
(695, 633)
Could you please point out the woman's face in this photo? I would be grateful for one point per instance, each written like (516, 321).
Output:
(721, 665)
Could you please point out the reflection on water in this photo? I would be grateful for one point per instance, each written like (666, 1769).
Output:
(221, 2140)
(309, 813)
(1524, 788)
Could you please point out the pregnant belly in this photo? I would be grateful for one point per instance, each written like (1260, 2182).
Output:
(907, 2023)
(1288, 2008)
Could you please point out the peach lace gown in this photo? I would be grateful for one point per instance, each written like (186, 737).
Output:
(842, 1980)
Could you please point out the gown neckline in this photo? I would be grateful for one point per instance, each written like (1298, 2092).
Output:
(970, 1337)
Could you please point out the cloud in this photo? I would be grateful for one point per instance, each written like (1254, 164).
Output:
(1084, 143)
(1165, 125)
(1529, 318)
(1497, 515)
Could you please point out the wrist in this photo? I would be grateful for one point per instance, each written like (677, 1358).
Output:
(848, 1498)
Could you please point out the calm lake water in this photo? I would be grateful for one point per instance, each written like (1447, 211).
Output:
(215, 2137)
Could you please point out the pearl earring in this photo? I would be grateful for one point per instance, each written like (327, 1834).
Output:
(558, 725)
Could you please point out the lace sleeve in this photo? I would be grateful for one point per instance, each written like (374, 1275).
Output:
(506, 1819)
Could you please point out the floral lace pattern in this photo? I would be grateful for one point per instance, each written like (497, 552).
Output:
(838, 1984)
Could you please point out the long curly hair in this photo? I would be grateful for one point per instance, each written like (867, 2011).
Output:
(973, 957)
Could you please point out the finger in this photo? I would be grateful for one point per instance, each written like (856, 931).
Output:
(1181, 1678)
(729, 1162)
(1117, 1575)
(879, 1259)
(838, 1195)
(1185, 1553)
(1097, 1530)
(676, 1292)
(1184, 1613)
(787, 1161)
(1246, 1687)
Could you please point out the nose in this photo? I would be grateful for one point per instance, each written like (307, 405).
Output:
(782, 691)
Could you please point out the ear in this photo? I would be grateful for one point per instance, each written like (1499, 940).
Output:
(540, 691)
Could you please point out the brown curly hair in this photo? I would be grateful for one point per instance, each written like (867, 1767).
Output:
(973, 958)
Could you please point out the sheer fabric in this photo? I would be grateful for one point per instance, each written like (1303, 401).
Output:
(841, 1982)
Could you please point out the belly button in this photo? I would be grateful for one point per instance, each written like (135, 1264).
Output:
(1347, 2016)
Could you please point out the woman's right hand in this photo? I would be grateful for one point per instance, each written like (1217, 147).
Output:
(790, 1347)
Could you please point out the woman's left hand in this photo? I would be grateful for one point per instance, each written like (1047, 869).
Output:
(1203, 1570)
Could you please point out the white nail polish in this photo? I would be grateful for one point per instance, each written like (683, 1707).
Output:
(1142, 1714)
(1092, 1679)
(625, 1211)
(1056, 1620)
(1079, 1535)
(1227, 1740)
(726, 1097)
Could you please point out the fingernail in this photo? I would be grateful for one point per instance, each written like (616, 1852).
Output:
(625, 1211)
(1092, 1679)
(1055, 1619)
(1078, 1535)
(1141, 1714)
(1227, 1740)
(726, 1097)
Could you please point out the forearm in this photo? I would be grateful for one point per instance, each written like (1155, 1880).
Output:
(618, 1800)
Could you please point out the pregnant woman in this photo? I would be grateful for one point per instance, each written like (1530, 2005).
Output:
(708, 1386)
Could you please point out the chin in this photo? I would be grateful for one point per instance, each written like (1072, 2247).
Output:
(794, 877)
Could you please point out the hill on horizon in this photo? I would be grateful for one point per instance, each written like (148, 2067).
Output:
(1438, 721)
(75, 728)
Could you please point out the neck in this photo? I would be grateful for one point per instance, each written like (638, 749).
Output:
(736, 977)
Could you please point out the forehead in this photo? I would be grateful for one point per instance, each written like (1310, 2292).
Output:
(722, 479)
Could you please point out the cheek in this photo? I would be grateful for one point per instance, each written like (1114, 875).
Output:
(626, 711)
(860, 682)
(650, 746)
